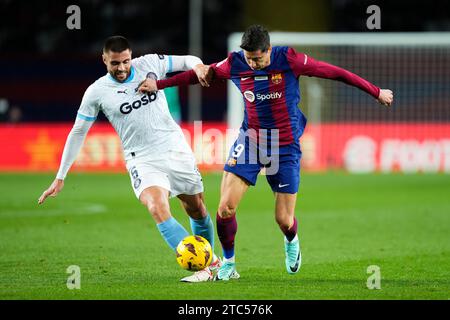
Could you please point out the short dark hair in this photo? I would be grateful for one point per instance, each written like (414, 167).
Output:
(116, 44)
(256, 37)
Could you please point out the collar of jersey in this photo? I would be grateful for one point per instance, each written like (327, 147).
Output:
(130, 77)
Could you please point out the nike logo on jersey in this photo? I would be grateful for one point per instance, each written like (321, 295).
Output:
(122, 91)
(257, 78)
(261, 78)
(282, 185)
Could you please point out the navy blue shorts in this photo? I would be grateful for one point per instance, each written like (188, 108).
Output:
(282, 166)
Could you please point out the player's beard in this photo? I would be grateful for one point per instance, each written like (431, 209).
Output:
(117, 73)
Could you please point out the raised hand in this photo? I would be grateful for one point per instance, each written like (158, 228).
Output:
(386, 97)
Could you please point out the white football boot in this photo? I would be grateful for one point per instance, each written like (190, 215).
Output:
(206, 274)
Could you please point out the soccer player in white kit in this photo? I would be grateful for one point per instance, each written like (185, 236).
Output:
(158, 158)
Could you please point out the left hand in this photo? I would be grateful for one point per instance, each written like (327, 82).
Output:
(386, 97)
(148, 86)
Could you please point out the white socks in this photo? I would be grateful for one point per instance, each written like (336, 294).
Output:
(293, 240)
(229, 260)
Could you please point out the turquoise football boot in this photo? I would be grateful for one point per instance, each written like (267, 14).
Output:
(227, 271)
(293, 255)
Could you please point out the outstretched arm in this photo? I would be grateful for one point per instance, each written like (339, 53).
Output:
(73, 145)
(181, 79)
(202, 74)
(302, 64)
(185, 63)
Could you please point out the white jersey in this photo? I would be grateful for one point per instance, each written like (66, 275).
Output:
(142, 121)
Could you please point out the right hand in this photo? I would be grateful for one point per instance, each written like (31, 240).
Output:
(148, 86)
(52, 191)
(204, 74)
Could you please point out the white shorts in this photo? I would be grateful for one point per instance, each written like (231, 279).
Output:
(177, 173)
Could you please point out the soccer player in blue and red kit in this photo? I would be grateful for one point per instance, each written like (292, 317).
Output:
(268, 78)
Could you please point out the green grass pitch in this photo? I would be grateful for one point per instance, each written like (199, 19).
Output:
(400, 223)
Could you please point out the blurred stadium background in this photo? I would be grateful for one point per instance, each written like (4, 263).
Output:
(46, 69)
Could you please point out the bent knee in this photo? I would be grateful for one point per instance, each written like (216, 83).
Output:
(284, 220)
(158, 209)
(196, 210)
(227, 210)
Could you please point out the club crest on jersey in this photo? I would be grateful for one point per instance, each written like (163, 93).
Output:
(150, 75)
(232, 162)
(250, 96)
(277, 78)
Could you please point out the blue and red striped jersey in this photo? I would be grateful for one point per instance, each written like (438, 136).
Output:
(271, 95)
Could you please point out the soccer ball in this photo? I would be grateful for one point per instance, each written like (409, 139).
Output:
(194, 253)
